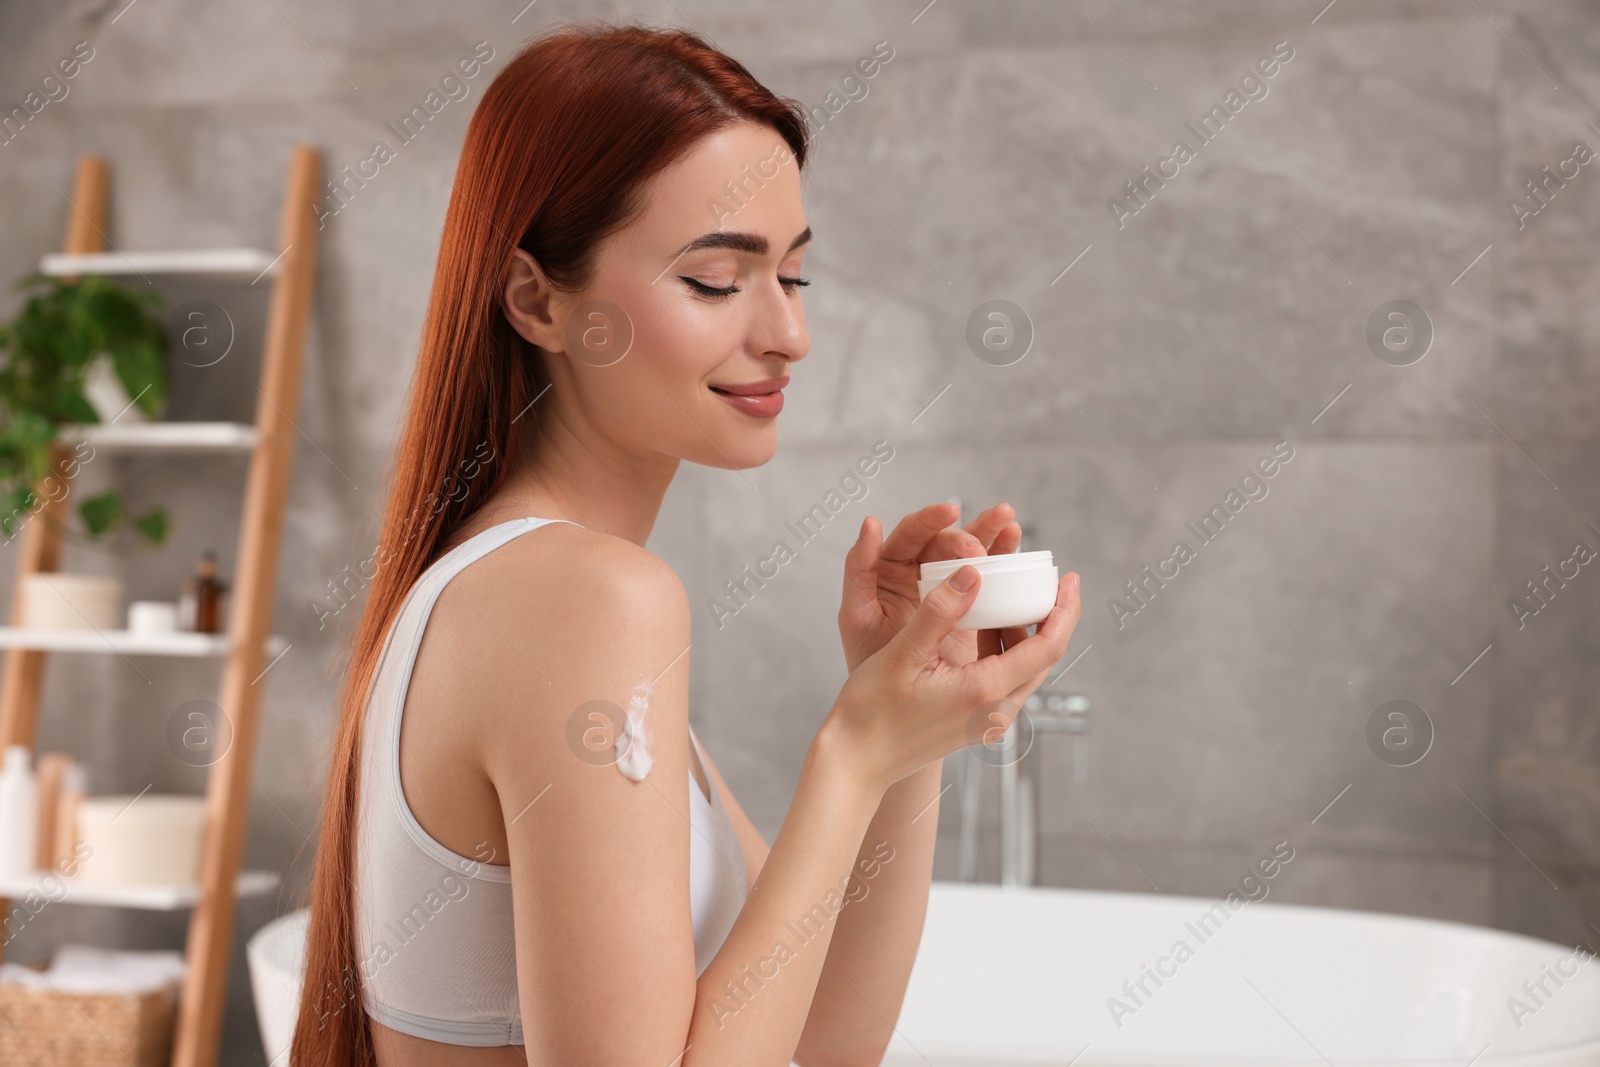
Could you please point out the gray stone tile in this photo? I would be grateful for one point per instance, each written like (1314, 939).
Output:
(1458, 889)
(1042, 23)
(834, 34)
(1235, 701)
(1223, 318)
(1546, 901)
(1546, 765)
(1547, 375)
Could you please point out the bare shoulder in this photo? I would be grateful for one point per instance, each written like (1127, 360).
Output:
(583, 575)
(561, 576)
(558, 616)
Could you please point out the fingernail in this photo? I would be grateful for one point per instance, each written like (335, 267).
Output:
(1076, 582)
(962, 579)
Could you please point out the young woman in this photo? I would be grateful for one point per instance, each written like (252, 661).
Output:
(526, 857)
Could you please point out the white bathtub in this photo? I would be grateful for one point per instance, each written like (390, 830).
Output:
(276, 956)
(1024, 976)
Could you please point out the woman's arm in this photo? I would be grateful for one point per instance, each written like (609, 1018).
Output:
(863, 983)
(600, 864)
(756, 994)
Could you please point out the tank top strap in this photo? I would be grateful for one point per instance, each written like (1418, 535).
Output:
(479, 545)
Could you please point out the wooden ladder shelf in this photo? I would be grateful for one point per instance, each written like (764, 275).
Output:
(270, 444)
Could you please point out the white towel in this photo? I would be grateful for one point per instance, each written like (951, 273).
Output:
(87, 969)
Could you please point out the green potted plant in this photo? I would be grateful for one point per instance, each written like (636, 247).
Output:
(79, 352)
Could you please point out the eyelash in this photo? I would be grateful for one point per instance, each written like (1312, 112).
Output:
(789, 284)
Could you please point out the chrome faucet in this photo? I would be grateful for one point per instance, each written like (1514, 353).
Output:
(1048, 710)
(1045, 712)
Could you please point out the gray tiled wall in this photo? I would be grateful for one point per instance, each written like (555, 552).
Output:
(1228, 314)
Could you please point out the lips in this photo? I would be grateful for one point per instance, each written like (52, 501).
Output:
(762, 399)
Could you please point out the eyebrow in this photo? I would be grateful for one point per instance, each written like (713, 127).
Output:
(753, 243)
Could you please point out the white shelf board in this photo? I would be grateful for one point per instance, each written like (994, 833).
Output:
(181, 643)
(165, 436)
(151, 897)
(247, 262)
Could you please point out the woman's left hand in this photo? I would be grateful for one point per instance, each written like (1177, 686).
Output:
(880, 578)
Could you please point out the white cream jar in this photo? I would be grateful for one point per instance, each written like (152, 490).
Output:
(1014, 588)
(152, 839)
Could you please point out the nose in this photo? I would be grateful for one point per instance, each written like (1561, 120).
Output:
(787, 336)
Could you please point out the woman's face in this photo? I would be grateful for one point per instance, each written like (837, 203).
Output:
(699, 293)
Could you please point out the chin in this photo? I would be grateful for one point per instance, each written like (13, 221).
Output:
(742, 451)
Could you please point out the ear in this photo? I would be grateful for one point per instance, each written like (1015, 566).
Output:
(530, 303)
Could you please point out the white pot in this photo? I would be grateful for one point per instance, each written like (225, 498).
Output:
(153, 840)
(152, 617)
(71, 601)
(106, 393)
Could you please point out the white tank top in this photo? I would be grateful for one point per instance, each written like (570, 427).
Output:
(435, 947)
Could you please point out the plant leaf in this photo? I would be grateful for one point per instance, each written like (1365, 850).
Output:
(154, 525)
(75, 407)
(101, 512)
(141, 366)
(15, 504)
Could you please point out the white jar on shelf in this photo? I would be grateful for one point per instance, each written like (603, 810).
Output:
(52, 600)
(152, 839)
(152, 617)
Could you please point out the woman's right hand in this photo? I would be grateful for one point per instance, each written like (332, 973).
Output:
(906, 706)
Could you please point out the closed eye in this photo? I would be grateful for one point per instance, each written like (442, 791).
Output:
(722, 293)
(709, 290)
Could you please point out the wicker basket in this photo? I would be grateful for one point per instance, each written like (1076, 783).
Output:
(51, 1028)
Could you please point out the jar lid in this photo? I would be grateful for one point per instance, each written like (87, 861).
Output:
(939, 570)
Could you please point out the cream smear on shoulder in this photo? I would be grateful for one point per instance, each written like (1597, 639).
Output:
(633, 744)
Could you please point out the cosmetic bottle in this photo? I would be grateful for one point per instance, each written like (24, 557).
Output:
(18, 812)
(50, 774)
(73, 785)
(200, 608)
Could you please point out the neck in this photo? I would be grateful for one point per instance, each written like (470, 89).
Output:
(565, 469)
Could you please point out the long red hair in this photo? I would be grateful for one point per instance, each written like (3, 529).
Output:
(556, 158)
